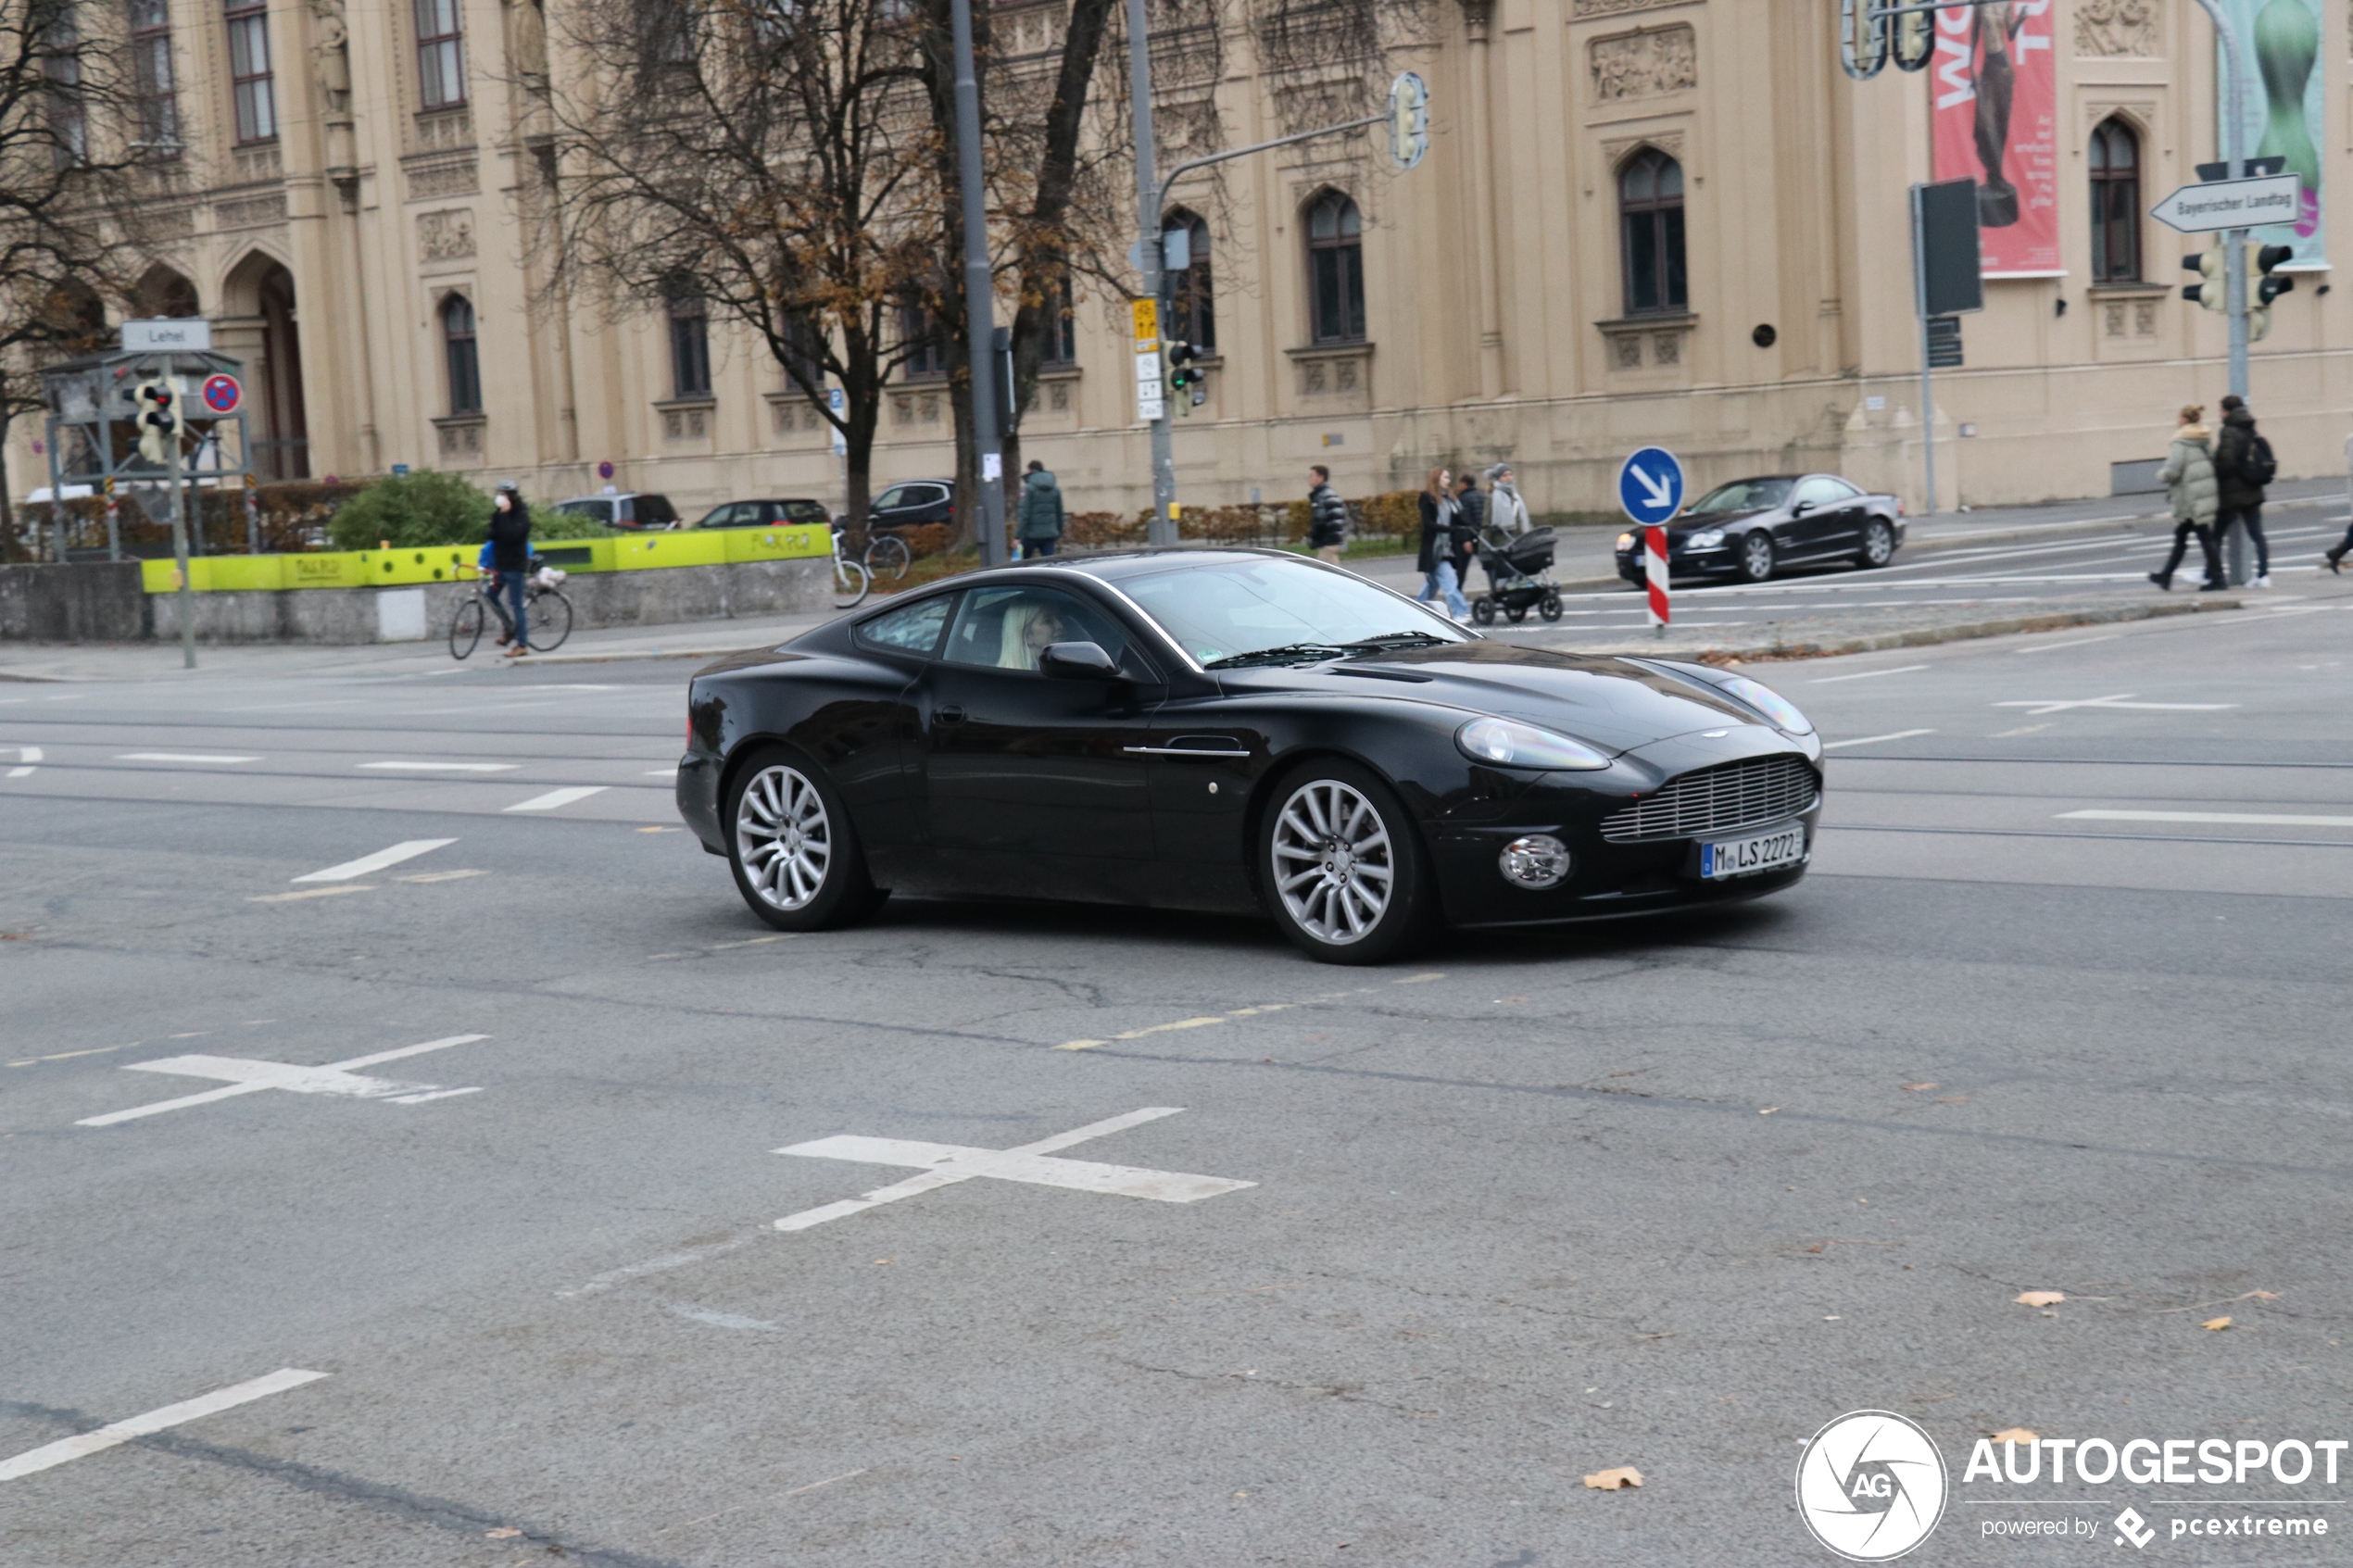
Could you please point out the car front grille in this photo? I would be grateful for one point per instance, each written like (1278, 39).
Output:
(1754, 793)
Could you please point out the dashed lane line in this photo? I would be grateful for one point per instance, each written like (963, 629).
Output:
(178, 757)
(1866, 675)
(444, 766)
(348, 870)
(114, 1435)
(313, 892)
(2252, 819)
(1872, 740)
(558, 797)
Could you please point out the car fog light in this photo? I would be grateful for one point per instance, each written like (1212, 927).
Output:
(1537, 861)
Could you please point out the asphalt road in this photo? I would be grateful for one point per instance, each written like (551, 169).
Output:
(1668, 1196)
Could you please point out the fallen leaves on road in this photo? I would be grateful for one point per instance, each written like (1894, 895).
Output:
(2040, 1299)
(2215, 1325)
(1769, 1111)
(1612, 1480)
(2016, 1435)
(504, 1532)
(1915, 1089)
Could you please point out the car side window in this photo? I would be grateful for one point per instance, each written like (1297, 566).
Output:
(924, 496)
(1007, 628)
(1820, 492)
(892, 499)
(656, 509)
(914, 628)
(805, 512)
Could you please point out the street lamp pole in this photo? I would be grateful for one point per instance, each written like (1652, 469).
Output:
(2233, 245)
(980, 314)
(1162, 530)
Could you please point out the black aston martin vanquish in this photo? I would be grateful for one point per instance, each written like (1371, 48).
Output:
(1235, 730)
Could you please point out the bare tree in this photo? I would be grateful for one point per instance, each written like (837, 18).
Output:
(72, 148)
(765, 159)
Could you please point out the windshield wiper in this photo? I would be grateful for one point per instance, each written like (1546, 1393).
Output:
(1398, 640)
(1290, 653)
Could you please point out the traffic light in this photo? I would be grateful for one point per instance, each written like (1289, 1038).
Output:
(159, 420)
(2275, 283)
(1184, 376)
(2214, 292)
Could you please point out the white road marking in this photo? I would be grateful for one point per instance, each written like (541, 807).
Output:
(248, 1078)
(556, 798)
(2258, 819)
(177, 756)
(28, 755)
(441, 876)
(1868, 674)
(2071, 643)
(2039, 707)
(121, 1432)
(717, 1319)
(946, 1164)
(1867, 740)
(408, 850)
(445, 767)
(313, 892)
(670, 772)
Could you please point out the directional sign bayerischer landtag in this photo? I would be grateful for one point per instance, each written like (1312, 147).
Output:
(2230, 204)
(1651, 486)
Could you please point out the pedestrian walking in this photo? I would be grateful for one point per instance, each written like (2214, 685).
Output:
(1437, 559)
(1470, 520)
(1506, 512)
(1039, 526)
(2188, 478)
(511, 555)
(1326, 516)
(2336, 557)
(2243, 465)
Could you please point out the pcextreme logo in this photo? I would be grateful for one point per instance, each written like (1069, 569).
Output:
(1871, 1486)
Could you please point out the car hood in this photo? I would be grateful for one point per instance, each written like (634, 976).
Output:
(1693, 521)
(1616, 703)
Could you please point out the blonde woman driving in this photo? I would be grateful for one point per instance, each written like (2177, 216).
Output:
(1030, 627)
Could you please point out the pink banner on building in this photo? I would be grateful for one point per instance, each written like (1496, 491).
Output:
(1994, 86)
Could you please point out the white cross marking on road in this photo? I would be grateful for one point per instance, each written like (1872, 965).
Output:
(946, 1164)
(28, 755)
(2039, 707)
(247, 1077)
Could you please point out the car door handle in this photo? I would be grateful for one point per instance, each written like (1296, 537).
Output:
(952, 714)
(1177, 751)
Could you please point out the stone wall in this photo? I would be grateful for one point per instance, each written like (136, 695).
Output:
(82, 602)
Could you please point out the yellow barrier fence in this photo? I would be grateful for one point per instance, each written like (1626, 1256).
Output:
(444, 563)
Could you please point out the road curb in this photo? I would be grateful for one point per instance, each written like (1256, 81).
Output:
(1929, 636)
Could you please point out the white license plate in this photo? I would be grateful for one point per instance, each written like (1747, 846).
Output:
(1747, 857)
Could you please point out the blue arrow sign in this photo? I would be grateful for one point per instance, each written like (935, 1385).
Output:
(1651, 486)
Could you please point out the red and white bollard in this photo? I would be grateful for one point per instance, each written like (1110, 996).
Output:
(1654, 576)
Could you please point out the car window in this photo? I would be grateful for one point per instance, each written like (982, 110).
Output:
(1846, 492)
(722, 517)
(1224, 610)
(600, 511)
(806, 511)
(912, 629)
(1742, 495)
(1819, 491)
(1006, 628)
(924, 496)
(892, 499)
(656, 509)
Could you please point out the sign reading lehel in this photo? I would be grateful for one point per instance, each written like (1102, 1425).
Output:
(2230, 204)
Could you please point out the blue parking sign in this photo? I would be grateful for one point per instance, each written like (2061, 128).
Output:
(1651, 486)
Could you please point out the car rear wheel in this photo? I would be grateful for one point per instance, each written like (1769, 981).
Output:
(795, 858)
(1343, 872)
(1879, 544)
(1757, 557)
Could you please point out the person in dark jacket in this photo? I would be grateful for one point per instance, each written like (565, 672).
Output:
(2243, 462)
(1438, 557)
(1470, 523)
(511, 554)
(1327, 515)
(1041, 522)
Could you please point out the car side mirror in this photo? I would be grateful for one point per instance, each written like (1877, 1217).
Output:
(1801, 508)
(1077, 661)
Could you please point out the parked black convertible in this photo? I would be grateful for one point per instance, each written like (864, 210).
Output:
(1235, 730)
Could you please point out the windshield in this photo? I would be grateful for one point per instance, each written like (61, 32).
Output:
(1742, 495)
(1218, 610)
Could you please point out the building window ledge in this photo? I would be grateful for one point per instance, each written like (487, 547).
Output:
(460, 437)
(685, 418)
(2135, 288)
(1334, 369)
(1654, 341)
(667, 404)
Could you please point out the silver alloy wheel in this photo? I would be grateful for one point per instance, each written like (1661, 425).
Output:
(1757, 553)
(783, 837)
(1335, 868)
(1878, 542)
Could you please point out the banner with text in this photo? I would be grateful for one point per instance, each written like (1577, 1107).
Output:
(2279, 49)
(1995, 88)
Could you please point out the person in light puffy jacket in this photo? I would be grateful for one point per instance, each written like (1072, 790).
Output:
(1327, 515)
(1506, 512)
(1039, 526)
(2188, 478)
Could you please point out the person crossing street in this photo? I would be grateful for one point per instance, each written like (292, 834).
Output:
(1040, 523)
(2243, 465)
(1326, 516)
(2188, 478)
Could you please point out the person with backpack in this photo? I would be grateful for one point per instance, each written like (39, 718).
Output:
(1039, 521)
(1326, 516)
(2188, 478)
(2243, 465)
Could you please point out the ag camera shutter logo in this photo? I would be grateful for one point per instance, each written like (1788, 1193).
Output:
(1871, 1486)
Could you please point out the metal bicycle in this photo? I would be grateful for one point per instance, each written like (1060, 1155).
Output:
(887, 556)
(853, 580)
(546, 609)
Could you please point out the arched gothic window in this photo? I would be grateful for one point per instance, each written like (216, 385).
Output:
(1336, 268)
(2115, 160)
(1650, 207)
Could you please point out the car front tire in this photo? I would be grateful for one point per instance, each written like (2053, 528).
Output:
(1757, 557)
(1340, 865)
(795, 855)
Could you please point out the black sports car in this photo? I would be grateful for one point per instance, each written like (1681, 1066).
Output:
(1236, 730)
(1752, 528)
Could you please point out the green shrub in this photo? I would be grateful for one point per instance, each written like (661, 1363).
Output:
(548, 523)
(412, 511)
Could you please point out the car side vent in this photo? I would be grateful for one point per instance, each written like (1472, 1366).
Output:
(1754, 793)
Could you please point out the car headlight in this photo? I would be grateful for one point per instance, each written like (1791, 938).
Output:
(1626, 541)
(1508, 745)
(1770, 703)
(1705, 539)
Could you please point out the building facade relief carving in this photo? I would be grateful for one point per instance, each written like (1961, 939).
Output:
(2110, 28)
(447, 235)
(1643, 65)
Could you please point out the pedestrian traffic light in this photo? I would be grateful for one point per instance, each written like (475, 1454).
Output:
(2213, 294)
(159, 420)
(1185, 376)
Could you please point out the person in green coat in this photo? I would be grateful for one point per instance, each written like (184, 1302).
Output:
(1039, 525)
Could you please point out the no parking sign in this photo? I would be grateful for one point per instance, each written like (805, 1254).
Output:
(221, 394)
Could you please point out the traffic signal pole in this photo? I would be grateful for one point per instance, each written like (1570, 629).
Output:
(980, 287)
(187, 591)
(2234, 249)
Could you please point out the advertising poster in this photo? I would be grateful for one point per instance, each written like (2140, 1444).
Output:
(1995, 88)
(2280, 53)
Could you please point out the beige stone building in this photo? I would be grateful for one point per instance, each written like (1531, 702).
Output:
(1640, 220)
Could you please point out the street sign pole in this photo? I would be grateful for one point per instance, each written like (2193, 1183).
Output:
(187, 593)
(1928, 376)
(1162, 530)
(980, 288)
(1650, 490)
(2233, 244)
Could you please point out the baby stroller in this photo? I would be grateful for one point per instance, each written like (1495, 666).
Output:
(1520, 575)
